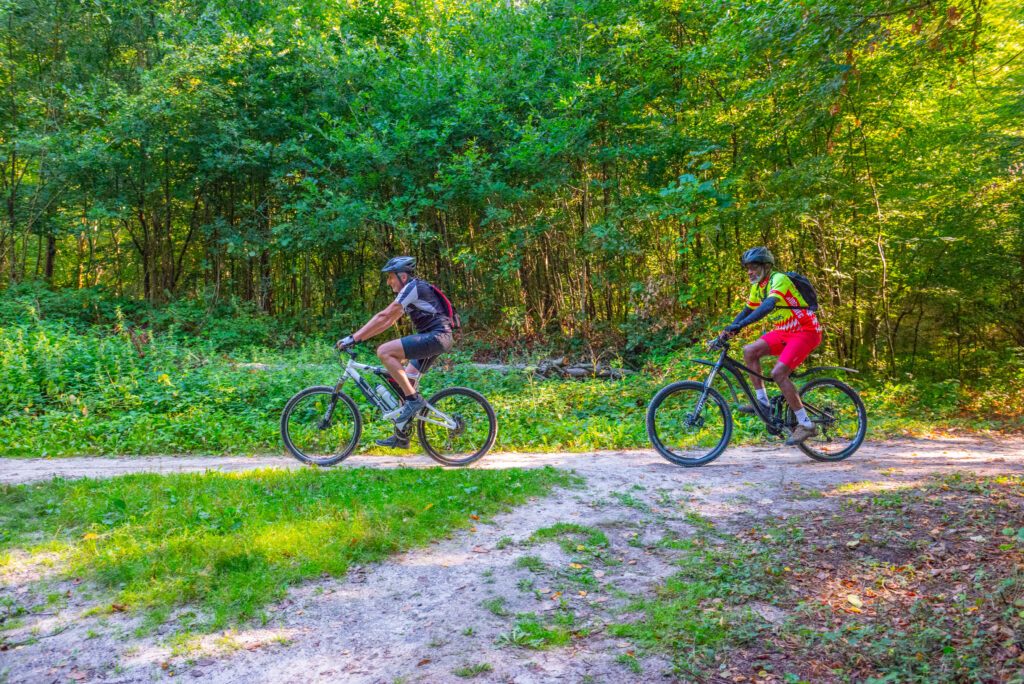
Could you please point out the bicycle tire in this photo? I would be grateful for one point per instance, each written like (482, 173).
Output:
(429, 440)
(658, 437)
(342, 399)
(862, 422)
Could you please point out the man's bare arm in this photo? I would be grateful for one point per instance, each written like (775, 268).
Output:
(380, 322)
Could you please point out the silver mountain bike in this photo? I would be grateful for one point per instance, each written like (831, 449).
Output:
(321, 425)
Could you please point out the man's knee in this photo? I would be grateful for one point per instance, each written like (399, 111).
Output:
(780, 372)
(384, 351)
(752, 351)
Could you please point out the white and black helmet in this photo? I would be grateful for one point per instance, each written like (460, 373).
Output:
(757, 255)
(400, 264)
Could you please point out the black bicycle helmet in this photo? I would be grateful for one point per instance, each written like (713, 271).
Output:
(758, 255)
(400, 264)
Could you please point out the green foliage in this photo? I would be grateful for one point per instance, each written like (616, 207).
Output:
(701, 608)
(64, 392)
(232, 543)
(531, 632)
(586, 170)
(469, 671)
(787, 594)
(572, 537)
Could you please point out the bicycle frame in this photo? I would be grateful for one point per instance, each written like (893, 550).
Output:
(352, 372)
(737, 370)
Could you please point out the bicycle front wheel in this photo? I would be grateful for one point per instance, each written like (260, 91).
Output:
(838, 412)
(472, 437)
(683, 434)
(321, 427)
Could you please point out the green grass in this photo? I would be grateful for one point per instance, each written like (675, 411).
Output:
(700, 608)
(469, 671)
(571, 537)
(889, 606)
(529, 631)
(630, 662)
(531, 563)
(230, 543)
(496, 606)
(70, 390)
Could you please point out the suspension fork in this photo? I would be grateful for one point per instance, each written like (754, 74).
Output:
(707, 385)
(329, 413)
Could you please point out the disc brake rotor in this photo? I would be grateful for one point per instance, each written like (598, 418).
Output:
(460, 426)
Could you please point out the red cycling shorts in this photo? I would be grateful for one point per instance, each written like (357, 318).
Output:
(792, 347)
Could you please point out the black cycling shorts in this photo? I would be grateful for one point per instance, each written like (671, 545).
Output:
(425, 345)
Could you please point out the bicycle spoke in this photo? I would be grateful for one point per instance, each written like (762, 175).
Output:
(318, 427)
(688, 427)
(839, 417)
(474, 428)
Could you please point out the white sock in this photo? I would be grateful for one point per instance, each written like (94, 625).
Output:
(801, 417)
(762, 396)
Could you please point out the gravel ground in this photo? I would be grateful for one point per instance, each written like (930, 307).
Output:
(423, 615)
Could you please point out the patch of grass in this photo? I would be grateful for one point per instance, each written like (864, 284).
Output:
(531, 563)
(934, 591)
(504, 543)
(627, 499)
(701, 522)
(495, 605)
(469, 671)
(530, 632)
(805, 494)
(700, 609)
(629, 661)
(571, 537)
(856, 487)
(231, 543)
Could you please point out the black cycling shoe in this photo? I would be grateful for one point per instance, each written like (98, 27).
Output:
(399, 440)
(749, 409)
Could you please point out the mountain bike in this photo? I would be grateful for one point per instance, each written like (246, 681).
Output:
(690, 423)
(321, 425)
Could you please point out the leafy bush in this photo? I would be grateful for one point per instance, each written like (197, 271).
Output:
(64, 390)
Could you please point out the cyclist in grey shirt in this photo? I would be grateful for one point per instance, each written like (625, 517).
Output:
(433, 337)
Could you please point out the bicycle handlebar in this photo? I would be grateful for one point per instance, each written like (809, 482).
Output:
(716, 343)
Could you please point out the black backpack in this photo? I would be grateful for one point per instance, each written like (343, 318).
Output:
(806, 290)
(450, 312)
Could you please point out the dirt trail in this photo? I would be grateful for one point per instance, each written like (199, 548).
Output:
(424, 614)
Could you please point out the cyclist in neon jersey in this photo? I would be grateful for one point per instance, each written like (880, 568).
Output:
(795, 334)
(433, 337)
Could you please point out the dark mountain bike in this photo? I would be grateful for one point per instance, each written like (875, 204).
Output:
(690, 423)
(321, 425)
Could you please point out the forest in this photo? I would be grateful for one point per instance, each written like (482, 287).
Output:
(197, 198)
(563, 169)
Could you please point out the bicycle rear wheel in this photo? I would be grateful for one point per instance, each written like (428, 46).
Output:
(471, 439)
(681, 433)
(838, 412)
(321, 427)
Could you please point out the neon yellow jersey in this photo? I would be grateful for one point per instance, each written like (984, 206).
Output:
(779, 285)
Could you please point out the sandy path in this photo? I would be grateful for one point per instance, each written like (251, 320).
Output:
(421, 616)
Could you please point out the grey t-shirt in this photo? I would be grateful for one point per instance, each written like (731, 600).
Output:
(425, 309)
